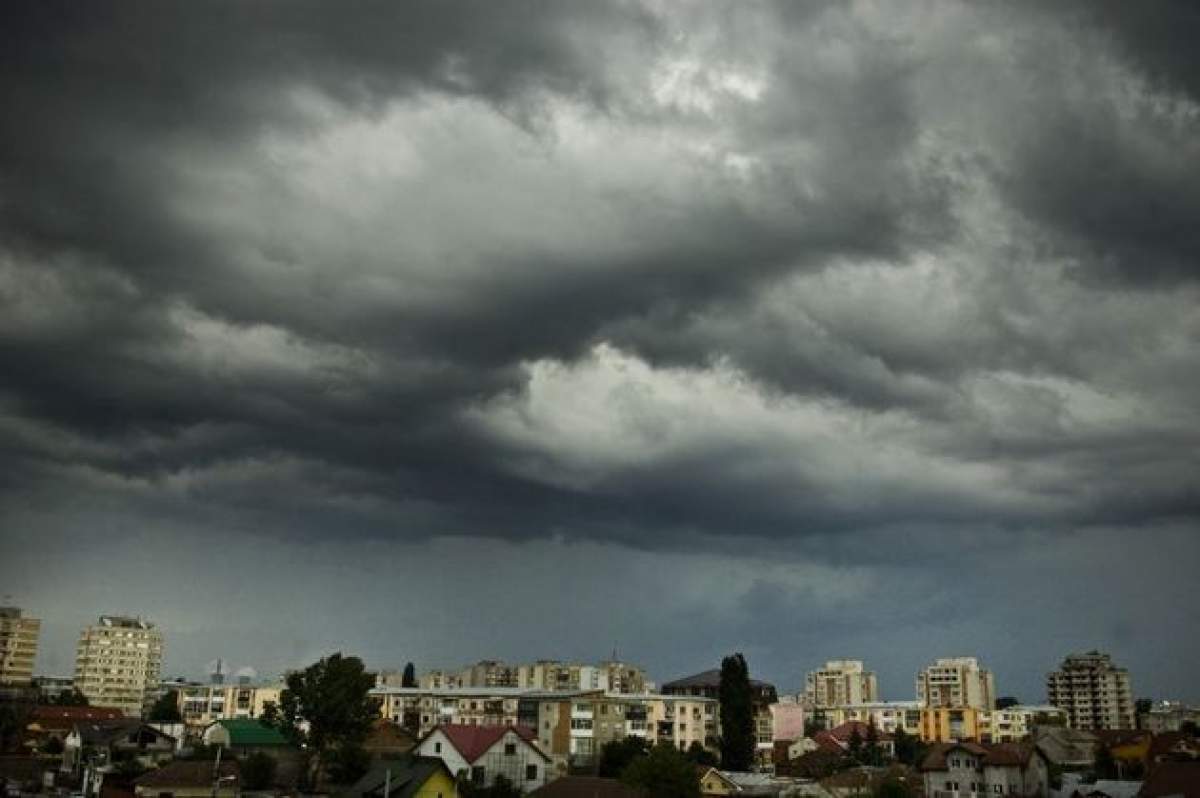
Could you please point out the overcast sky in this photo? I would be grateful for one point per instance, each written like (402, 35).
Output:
(438, 331)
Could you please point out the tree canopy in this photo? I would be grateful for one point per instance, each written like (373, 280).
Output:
(166, 708)
(737, 714)
(409, 679)
(327, 707)
(616, 755)
(663, 773)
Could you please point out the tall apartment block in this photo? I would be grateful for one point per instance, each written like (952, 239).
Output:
(1094, 693)
(842, 682)
(118, 663)
(18, 646)
(956, 682)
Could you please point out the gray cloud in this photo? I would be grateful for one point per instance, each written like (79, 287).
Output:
(898, 286)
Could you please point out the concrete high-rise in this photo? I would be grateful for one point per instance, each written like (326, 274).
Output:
(842, 682)
(18, 646)
(118, 663)
(956, 682)
(1094, 693)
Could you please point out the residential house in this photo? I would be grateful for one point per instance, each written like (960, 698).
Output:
(716, 782)
(1069, 750)
(108, 742)
(1172, 747)
(187, 779)
(843, 737)
(405, 777)
(481, 753)
(967, 770)
(244, 736)
(47, 722)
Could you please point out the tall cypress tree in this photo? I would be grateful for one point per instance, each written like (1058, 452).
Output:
(737, 714)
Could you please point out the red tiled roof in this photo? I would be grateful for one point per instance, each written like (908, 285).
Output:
(997, 754)
(473, 741)
(52, 717)
(828, 743)
(1173, 778)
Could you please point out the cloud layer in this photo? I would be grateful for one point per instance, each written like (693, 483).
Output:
(886, 293)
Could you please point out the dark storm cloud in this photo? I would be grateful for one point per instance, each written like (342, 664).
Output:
(882, 287)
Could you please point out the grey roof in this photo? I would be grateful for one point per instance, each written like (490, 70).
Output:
(408, 773)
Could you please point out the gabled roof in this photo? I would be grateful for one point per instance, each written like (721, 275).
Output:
(473, 742)
(1173, 742)
(994, 755)
(408, 775)
(828, 743)
(108, 733)
(182, 773)
(247, 731)
(52, 717)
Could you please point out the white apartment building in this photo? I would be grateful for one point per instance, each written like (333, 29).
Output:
(18, 646)
(118, 662)
(1094, 693)
(1015, 723)
(888, 716)
(840, 683)
(204, 704)
(956, 682)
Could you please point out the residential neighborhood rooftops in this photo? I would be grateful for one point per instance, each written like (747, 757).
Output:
(184, 773)
(401, 778)
(51, 717)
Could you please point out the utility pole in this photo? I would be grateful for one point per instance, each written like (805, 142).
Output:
(217, 772)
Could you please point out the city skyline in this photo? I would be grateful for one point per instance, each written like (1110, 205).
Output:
(443, 331)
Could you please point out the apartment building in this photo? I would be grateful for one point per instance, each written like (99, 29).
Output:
(1015, 723)
(1093, 692)
(571, 725)
(118, 662)
(956, 682)
(488, 673)
(18, 647)
(204, 704)
(707, 684)
(840, 683)
(1168, 716)
(611, 676)
(887, 716)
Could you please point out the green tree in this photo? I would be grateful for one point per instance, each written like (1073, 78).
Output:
(1004, 702)
(892, 787)
(872, 754)
(663, 773)
(409, 679)
(616, 755)
(166, 708)
(327, 707)
(906, 747)
(270, 715)
(700, 755)
(348, 763)
(258, 771)
(53, 746)
(855, 745)
(737, 714)
(814, 724)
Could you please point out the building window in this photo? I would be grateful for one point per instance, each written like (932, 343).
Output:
(437, 748)
(531, 773)
(510, 749)
(477, 775)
